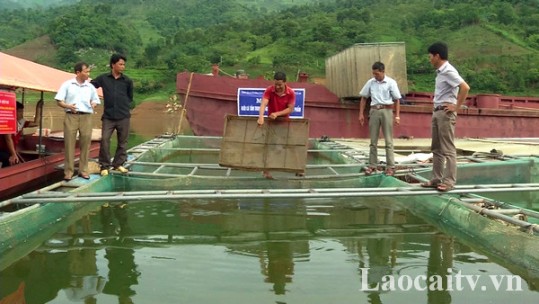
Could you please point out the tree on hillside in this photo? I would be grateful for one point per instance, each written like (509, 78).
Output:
(83, 27)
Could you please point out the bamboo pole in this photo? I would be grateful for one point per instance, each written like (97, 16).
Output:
(504, 207)
(500, 216)
(212, 166)
(40, 151)
(239, 178)
(184, 108)
(218, 149)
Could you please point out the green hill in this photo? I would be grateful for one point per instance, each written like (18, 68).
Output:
(494, 44)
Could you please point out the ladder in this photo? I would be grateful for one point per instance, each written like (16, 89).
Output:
(136, 151)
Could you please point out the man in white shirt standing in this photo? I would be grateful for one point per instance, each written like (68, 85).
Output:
(385, 95)
(79, 98)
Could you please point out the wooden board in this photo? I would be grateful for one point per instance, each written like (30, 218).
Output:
(279, 145)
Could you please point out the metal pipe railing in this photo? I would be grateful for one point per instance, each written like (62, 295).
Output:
(42, 197)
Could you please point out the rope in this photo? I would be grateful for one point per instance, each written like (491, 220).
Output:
(445, 206)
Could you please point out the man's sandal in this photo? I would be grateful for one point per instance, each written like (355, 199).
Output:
(444, 187)
(369, 170)
(267, 175)
(430, 184)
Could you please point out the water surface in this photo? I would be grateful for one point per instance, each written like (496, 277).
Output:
(268, 251)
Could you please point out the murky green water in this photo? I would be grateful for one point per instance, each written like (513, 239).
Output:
(268, 251)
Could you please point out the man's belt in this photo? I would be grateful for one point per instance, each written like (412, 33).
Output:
(442, 106)
(380, 107)
(78, 113)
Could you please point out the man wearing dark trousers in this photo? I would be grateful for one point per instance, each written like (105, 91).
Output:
(117, 96)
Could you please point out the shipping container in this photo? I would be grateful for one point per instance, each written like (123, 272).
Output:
(347, 71)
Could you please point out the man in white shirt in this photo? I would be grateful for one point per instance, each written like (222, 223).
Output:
(385, 95)
(79, 98)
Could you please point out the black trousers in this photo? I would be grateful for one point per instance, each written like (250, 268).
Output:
(122, 133)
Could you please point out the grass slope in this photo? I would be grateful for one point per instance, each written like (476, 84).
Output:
(39, 50)
(465, 44)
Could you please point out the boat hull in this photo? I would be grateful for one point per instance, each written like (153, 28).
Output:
(26, 229)
(208, 99)
(37, 169)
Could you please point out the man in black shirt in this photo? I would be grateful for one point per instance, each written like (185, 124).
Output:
(118, 96)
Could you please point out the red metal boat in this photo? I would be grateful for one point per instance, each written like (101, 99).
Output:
(37, 168)
(209, 98)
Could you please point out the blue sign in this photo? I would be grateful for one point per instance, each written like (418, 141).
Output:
(249, 100)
